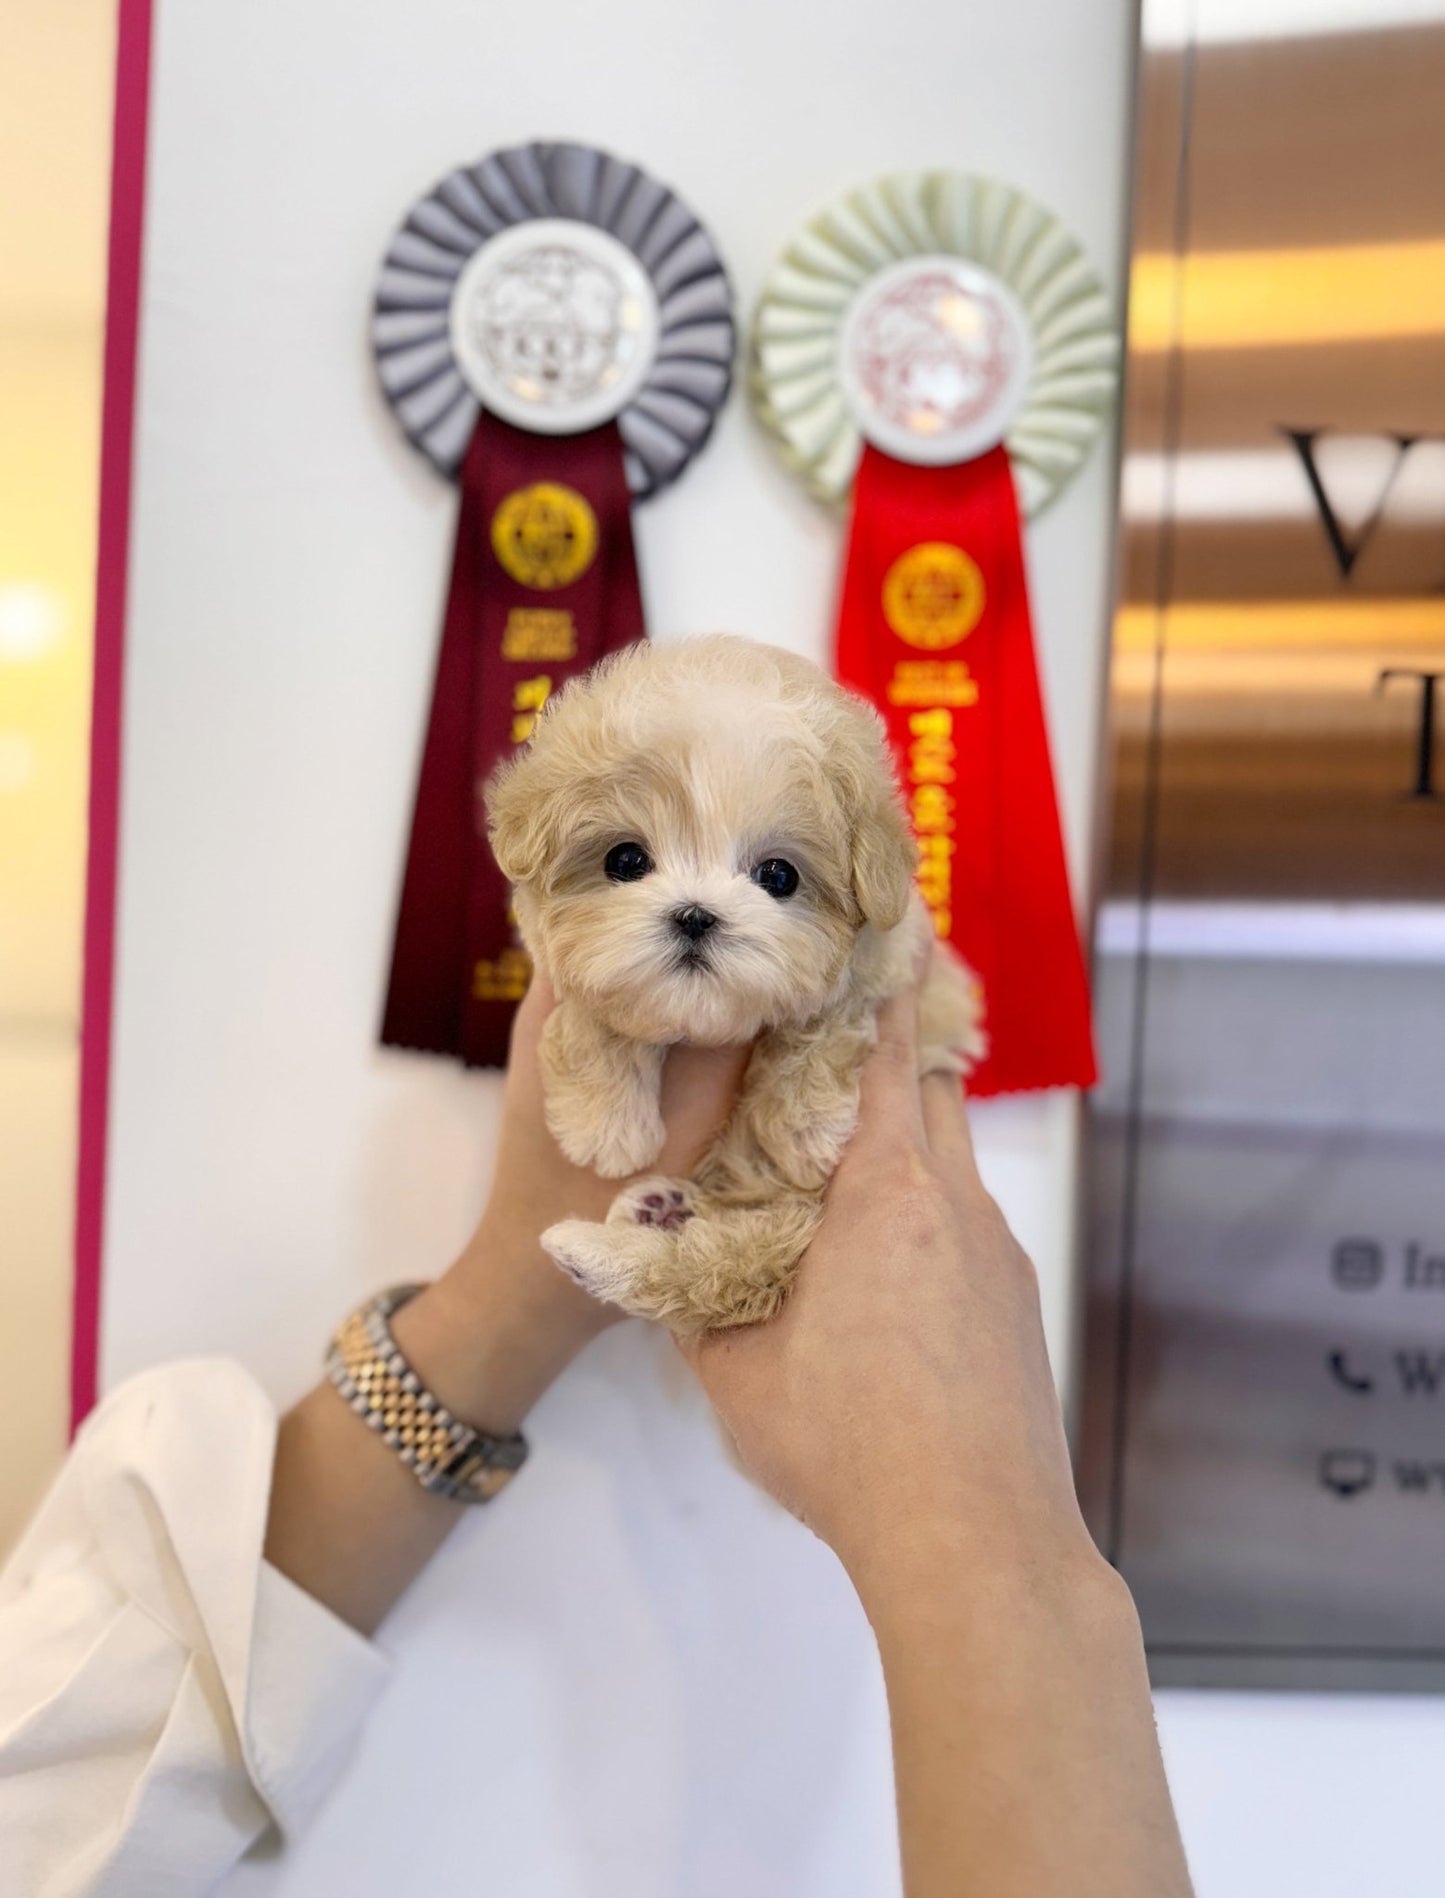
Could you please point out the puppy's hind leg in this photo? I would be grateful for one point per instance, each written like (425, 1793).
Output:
(665, 1253)
(725, 1266)
(735, 1265)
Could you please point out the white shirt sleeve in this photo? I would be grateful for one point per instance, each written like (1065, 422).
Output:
(166, 1696)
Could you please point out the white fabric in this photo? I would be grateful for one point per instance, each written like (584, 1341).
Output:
(166, 1696)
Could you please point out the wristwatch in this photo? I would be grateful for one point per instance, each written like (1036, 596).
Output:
(446, 1456)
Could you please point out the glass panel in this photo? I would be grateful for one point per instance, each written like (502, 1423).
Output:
(1265, 1410)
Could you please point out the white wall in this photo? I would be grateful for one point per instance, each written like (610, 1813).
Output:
(634, 1677)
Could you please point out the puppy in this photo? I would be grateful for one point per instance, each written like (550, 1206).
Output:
(707, 844)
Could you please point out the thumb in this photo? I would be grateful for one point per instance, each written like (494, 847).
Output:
(699, 1089)
(691, 1349)
(890, 1105)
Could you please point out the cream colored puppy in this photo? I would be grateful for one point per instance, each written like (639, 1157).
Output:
(707, 844)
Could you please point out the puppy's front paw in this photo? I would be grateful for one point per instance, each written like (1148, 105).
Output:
(601, 1094)
(613, 1148)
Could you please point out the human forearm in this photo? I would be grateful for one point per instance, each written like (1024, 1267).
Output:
(348, 1521)
(903, 1405)
(1024, 1744)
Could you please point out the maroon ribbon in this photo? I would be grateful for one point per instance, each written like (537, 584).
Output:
(544, 583)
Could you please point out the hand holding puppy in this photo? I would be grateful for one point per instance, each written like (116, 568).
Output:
(501, 1323)
(902, 1403)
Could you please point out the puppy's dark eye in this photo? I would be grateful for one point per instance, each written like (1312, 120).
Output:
(775, 875)
(625, 863)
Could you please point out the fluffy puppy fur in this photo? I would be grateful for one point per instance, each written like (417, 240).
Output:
(643, 828)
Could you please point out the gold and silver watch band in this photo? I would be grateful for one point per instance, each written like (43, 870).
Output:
(445, 1455)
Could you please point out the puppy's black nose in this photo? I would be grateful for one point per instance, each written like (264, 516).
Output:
(694, 922)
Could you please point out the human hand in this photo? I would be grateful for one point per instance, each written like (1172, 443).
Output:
(902, 1403)
(495, 1330)
(347, 1522)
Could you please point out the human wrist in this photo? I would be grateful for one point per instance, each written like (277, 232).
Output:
(980, 1619)
(946, 1569)
(494, 1332)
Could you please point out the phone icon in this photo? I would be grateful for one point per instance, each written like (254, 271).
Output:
(1349, 1380)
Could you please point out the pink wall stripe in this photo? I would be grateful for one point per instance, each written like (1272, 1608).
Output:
(117, 431)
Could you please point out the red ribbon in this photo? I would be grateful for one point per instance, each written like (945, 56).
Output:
(934, 629)
(544, 583)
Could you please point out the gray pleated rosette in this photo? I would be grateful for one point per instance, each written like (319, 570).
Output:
(683, 342)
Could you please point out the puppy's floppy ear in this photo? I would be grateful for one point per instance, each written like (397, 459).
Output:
(523, 816)
(884, 855)
(883, 851)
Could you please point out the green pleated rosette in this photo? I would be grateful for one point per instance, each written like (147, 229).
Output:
(795, 373)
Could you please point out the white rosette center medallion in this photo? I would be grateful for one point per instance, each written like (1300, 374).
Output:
(554, 325)
(934, 358)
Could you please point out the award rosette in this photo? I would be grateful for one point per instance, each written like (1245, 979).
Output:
(938, 346)
(553, 329)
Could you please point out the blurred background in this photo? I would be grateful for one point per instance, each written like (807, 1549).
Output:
(1270, 943)
(56, 84)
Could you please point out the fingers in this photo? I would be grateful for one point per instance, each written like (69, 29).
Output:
(524, 1079)
(923, 954)
(532, 1011)
(690, 1348)
(946, 1120)
(890, 1105)
(699, 1088)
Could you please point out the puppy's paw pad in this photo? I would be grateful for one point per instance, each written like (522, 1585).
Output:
(662, 1204)
(668, 1210)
